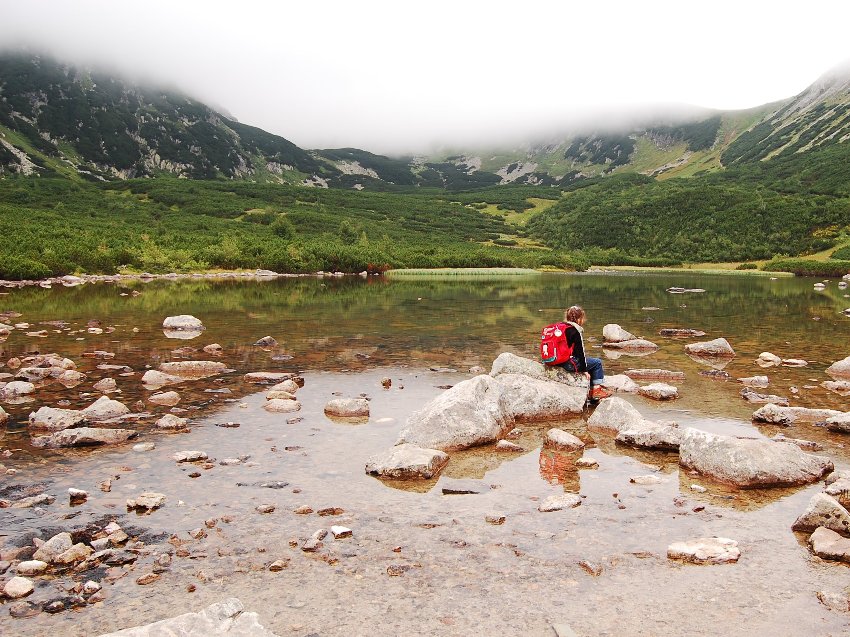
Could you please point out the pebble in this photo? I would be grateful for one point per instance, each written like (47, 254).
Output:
(340, 532)
(303, 510)
(77, 496)
(265, 508)
(278, 565)
(147, 578)
(91, 587)
(495, 519)
(18, 587)
(586, 463)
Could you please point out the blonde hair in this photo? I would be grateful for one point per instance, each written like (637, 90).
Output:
(574, 314)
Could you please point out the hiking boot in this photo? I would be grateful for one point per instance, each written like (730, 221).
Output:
(599, 392)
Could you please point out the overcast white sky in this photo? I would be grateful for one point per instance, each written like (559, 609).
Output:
(393, 76)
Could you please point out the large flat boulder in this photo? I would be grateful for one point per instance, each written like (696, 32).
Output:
(83, 437)
(613, 415)
(507, 363)
(750, 462)
(779, 415)
(224, 619)
(839, 423)
(473, 412)
(530, 399)
(407, 462)
(829, 545)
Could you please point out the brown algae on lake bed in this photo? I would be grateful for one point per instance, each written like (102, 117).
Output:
(417, 559)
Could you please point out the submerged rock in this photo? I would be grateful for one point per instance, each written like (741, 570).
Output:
(767, 359)
(839, 423)
(681, 332)
(706, 550)
(193, 369)
(281, 405)
(52, 419)
(170, 422)
(224, 618)
(166, 399)
(754, 397)
(83, 437)
(155, 379)
(750, 462)
(719, 347)
(407, 461)
(755, 381)
(659, 391)
(473, 412)
(654, 374)
(778, 415)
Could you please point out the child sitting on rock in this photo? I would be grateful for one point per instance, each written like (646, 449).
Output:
(587, 365)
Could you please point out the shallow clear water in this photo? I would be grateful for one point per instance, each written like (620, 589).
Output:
(464, 577)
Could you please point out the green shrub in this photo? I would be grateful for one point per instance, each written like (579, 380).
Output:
(806, 267)
(747, 266)
(14, 268)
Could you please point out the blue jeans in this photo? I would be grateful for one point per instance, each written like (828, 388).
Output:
(594, 368)
(597, 374)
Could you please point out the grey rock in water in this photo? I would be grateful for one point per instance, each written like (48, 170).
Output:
(768, 359)
(560, 439)
(183, 322)
(507, 363)
(16, 388)
(654, 374)
(170, 422)
(750, 462)
(269, 377)
(83, 437)
(507, 445)
(613, 415)
(841, 387)
(155, 379)
(840, 368)
(193, 369)
(18, 587)
(621, 383)
(105, 385)
(829, 545)
(646, 480)
(718, 347)
(706, 550)
(779, 415)
(53, 419)
(266, 341)
(4, 417)
(651, 435)
(287, 385)
(224, 619)
(165, 399)
(839, 423)
(823, 510)
(348, 408)
(752, 396)
(105, 409)
(681, 332)
(147, 501)
(189, 456)
(755, 381)
(559, 502)
(613, 333)
(282, 405)
(473, 412)
(53, 547)
(632, 345)
(529, 399)
(659, 391)
(407, 461)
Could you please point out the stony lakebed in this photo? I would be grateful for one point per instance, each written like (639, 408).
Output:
(153, 466)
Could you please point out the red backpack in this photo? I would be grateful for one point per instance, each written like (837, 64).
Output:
(554, 348)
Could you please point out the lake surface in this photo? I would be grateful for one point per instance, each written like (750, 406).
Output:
(460, 575)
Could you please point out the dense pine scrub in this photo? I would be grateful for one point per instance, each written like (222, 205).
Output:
(56, 226)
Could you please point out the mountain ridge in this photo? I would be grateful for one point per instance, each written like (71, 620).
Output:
(85, 124)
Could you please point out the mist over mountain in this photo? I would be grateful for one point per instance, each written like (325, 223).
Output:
(84, 123)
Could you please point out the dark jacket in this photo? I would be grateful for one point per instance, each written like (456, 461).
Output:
(574, 338)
